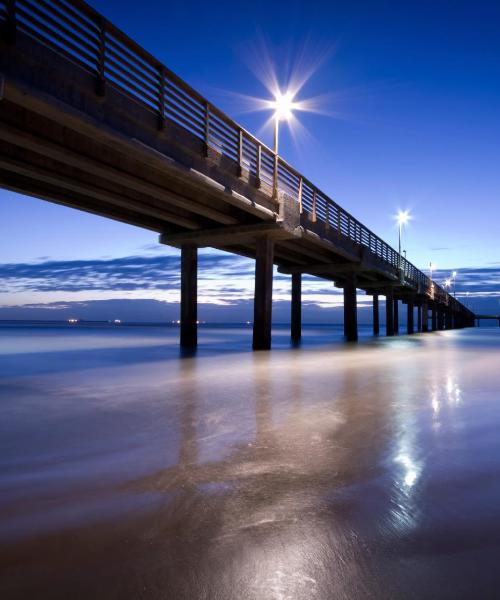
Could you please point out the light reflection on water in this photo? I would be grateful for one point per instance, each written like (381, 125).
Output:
(328, 471)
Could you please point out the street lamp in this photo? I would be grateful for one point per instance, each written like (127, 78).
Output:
(454, 277)
(283, 106)
(402, 218)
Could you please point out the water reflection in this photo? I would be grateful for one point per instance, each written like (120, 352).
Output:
(293, 474)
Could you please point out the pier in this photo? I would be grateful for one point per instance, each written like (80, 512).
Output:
(90, 120)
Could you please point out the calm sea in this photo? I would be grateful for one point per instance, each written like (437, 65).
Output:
(327, 471)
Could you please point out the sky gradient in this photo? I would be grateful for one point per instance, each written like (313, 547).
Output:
(411, 103)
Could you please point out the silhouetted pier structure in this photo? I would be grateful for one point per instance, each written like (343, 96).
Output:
(90, 120)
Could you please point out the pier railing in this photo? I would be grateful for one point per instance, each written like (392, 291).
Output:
(75, 30)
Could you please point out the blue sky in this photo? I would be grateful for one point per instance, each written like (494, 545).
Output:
(412, 96)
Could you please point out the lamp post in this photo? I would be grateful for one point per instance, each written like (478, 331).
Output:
(402, 218)
(283, 106)
(431, 269)
(454, 277)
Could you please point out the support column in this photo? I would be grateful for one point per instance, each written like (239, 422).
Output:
(296, 316)
(419, 318)
(350, 309)
(434, 318)
(396, 316)
(189, 296)
(409, 319)
(440, 318)
(389, 312)
(376, 322)
(425, 317)
(263, 298)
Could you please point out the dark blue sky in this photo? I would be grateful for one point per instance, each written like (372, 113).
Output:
(412, 92)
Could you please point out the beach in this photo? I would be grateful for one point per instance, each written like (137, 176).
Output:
(329, 470)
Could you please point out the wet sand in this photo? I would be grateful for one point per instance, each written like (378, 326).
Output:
(326, 471)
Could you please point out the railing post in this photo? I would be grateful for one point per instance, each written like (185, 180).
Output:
(258, 166)
(240, 153)
(101, 57)
(206, 134)
(327, 208)
(313, 214)
(162, 89)
(275, 176)
(301, 183)
(10, 24)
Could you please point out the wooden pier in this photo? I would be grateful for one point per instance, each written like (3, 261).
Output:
(91, 120)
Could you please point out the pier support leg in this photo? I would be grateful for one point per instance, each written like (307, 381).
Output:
(396, 316)
(440, 319)
(419, 318)
(409, 319)
(263, 298)
(296, 316)
(434, 318)
(376, 323)
(350, 309)
(389, 312)
(425, 317)
(189, 296)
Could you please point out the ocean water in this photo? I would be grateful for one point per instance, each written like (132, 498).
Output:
(325, 471)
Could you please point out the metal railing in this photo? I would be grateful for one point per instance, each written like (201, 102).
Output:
(75, 30)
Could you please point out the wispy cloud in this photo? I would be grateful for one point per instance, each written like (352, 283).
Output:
(225, 281)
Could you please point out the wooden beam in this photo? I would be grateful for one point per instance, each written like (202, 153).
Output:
(396, 315)
(296, 308)
(189, 296)
(350, 309)
(83, 189)
(225, 236)
(263, 298)
(66, 156)
(425, 317)
(376, 321)
(389, 311)
(42, 191)
(318, 269)
(409, 317)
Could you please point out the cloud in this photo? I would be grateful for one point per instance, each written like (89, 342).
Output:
(98, 288)
(128, 273)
